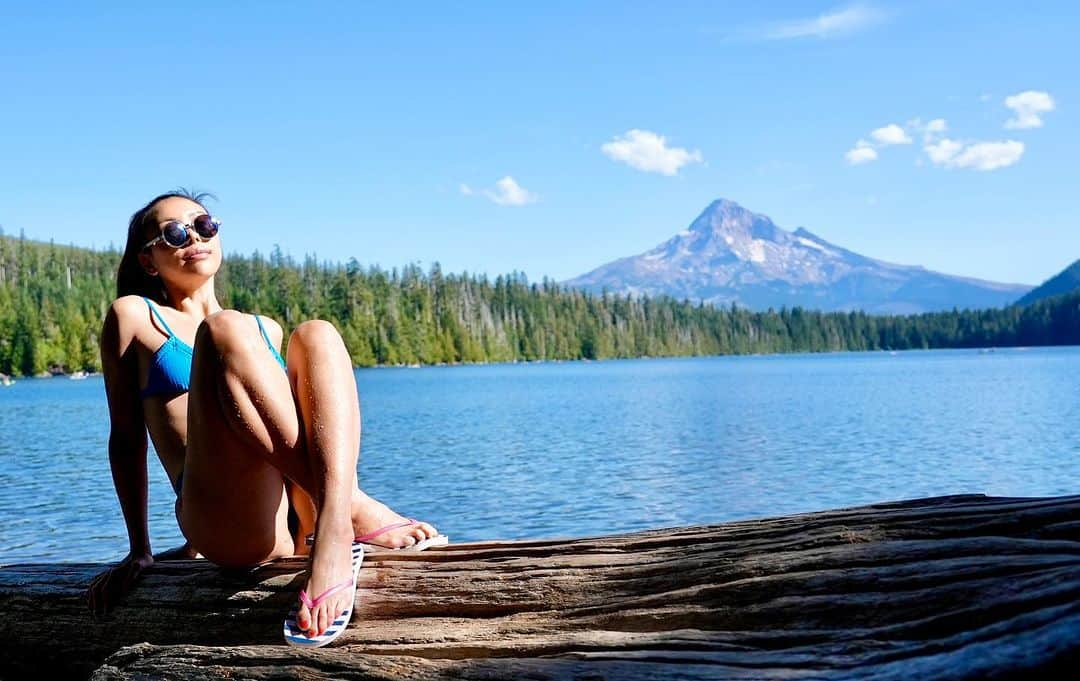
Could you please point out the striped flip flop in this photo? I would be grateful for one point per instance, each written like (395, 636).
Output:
(295, 636)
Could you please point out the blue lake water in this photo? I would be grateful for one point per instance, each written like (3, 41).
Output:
(574, 449)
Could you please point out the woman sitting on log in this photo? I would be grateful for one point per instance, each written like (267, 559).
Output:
(243, 433)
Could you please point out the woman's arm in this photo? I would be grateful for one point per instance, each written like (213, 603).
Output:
(127, 430)
(127, 452)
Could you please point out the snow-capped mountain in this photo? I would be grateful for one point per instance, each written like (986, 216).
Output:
(729, 254)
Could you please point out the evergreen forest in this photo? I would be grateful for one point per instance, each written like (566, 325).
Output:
(53, 299)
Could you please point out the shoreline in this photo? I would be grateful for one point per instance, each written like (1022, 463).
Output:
(808, 353)
(8, 379)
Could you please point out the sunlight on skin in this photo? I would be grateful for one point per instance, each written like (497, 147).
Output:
(302, 424)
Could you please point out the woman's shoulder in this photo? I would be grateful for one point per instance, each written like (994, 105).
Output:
(125, 305)
(129, 318)
(127, 311)
(124, 325)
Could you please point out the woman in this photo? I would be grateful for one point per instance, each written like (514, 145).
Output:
(242, 433)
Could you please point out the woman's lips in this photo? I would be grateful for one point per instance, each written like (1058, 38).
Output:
(198, 255)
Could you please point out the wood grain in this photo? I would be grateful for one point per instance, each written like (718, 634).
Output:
(957, 587)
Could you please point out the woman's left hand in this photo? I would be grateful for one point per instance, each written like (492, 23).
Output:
(111, 586)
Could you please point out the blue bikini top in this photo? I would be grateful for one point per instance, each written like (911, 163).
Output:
(170, 367)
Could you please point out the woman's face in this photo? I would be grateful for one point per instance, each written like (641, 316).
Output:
(200, 257)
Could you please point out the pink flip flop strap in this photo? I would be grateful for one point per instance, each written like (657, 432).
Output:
(311, 603)
(382, 530)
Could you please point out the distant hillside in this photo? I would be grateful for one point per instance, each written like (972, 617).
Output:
(731, 255)
(1065, 282)
(53, 298)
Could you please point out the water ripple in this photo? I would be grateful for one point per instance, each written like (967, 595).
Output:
(571, 449)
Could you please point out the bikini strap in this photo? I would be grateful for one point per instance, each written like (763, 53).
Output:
(269, 343)
(258, 320)
(154, 310)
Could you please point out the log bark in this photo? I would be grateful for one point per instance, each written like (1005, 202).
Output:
(957, 587)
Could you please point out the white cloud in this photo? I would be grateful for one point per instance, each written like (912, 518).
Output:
(649, 152)
(865, 152)
(1028, 108)
(936, 126)
(890, 134)
(974, 155)
(465, 189)
(941, 152)
(930, 130)
(834, 24)
(945, 152)
(988, 155)
(508, 192)
(861, 153)
(939, 149)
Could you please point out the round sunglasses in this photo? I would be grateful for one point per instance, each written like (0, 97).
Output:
(177, 234)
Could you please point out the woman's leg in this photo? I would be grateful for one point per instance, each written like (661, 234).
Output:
(248, 431)
(318, 344)
(255, 436)
(303, 506)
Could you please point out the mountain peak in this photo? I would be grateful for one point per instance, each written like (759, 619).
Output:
(731, 254)
(722, 210)
(725, 218)
(723, 204)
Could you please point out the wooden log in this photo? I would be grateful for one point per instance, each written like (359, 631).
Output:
(957, 587)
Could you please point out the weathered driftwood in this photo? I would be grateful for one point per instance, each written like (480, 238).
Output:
(952, 587)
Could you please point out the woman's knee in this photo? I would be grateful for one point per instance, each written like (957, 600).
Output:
(224, 329)
(316, 333)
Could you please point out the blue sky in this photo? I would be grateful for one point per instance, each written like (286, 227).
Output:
(349, 130)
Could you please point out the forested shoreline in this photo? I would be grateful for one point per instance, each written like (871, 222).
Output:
(53, 299)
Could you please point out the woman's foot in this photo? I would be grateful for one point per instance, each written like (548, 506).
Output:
(369, 515)
(330, 566)
(182, 552)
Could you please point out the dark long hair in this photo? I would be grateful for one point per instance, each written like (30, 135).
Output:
(131, 278)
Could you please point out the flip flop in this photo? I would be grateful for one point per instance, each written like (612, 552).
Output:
(437, 540)
(295, 636)
(365, 539)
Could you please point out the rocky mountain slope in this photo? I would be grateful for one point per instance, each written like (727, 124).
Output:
(1066, 281)
(732, 255)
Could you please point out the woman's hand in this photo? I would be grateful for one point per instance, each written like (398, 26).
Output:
(111, 586)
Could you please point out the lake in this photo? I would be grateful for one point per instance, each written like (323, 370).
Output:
(584, 448)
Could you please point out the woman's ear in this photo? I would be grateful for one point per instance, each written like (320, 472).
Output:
(147, 263)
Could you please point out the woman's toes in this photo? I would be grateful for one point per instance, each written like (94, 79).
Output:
(322, 621)
(429, 530)
(328, 618)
